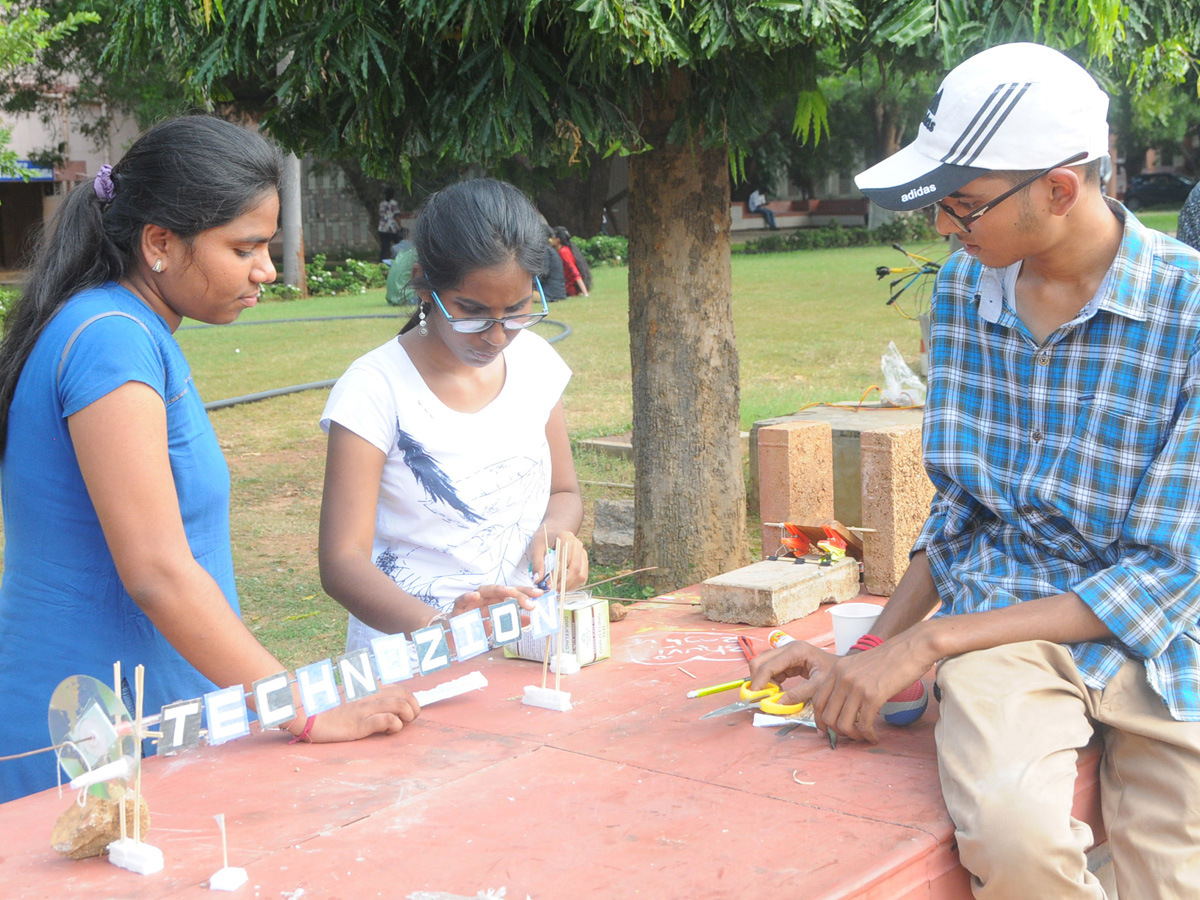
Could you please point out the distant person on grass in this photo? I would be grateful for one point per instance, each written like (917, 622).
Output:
(400, 271)
(388, 229)
(758, 204)
(116, 495)
(576, 272)
(1062, 433)
(553, 277)
(449, 472)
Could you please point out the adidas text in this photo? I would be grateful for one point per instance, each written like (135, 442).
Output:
(918, 192)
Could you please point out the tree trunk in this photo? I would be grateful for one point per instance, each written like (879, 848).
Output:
(690, 498)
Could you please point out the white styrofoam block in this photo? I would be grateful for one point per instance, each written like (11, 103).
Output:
(136, 856)
(472, 682)
(546, 698)
(570, 663)
(229, 878)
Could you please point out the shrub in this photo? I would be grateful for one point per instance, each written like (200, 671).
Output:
(914, 227)
(8, 296)
(278, 291)
(354, 276)
(772, 243)
(604, 248)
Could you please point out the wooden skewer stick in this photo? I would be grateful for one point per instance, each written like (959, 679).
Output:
(124, 828)
(546, 649)
(117, 692)
(615, 577)
(139, 677)
(220, 817)
(560, 569)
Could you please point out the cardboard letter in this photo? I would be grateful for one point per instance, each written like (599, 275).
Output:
(470, 638)
(506, 622)
(357, 678)
(432, 652)
(273, 697)
(226, 713)
(543, 620)
(318, 690)
(392, 661)
(180, 727)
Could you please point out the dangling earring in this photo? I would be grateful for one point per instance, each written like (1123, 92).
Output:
(157, 267)
(421, 320)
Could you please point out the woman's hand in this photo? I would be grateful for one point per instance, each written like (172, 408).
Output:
(488, 594)
(573, 553)
(385, 712)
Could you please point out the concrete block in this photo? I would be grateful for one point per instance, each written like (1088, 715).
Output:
(612, 532)
(795, 475)
(896, 494)
(774, 592)
(847, 421)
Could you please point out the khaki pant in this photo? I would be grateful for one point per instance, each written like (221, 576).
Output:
(1012, 719)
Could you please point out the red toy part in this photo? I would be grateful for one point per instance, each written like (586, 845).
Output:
(795, 540)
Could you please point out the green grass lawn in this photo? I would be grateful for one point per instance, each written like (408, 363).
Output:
(1165, 220)
(811, 326)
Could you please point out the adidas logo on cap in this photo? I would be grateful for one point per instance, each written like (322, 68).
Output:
(918, 192)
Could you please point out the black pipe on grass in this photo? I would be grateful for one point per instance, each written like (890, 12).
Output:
(313, 385)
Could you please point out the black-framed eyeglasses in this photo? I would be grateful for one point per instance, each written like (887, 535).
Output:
(963, 223)
(477, 324)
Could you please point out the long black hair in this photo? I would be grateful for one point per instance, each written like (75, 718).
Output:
(188, 175)
(581, 263)
(475, 224)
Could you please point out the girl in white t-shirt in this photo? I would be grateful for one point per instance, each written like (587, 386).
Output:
(449, 469)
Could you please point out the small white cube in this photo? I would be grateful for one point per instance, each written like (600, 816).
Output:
(229, 878)
(546, 698)
(135, 856)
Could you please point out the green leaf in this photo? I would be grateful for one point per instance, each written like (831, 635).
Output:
(812, 115)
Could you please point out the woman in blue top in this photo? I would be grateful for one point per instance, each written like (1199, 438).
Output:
(114, 489)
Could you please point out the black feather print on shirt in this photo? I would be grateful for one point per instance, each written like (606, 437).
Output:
(429, 475)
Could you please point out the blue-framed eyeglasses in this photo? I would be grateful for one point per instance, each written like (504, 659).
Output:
(964, 223)
(477, 324)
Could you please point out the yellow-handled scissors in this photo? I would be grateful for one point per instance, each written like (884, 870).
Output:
(766, 700)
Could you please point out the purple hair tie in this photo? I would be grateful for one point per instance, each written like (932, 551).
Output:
(103, 184)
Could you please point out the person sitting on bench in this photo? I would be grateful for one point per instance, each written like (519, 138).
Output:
(758, 204)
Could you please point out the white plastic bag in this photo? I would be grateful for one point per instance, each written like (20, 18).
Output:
(901, 386)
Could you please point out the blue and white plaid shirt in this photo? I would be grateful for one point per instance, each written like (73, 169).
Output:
(1075, 465)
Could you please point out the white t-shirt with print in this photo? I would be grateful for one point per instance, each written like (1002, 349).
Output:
(462, 494)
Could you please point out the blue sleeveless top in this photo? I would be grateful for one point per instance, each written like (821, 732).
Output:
(63, 609)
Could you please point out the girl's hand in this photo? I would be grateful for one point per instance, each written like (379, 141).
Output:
(385, 712)
(488, 594)
(573, 553)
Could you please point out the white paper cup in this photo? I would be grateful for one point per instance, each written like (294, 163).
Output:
(850, 622)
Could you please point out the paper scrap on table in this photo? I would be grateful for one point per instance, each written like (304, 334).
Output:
(448, 689)
(488, 894)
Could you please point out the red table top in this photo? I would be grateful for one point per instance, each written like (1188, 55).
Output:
(629, 794)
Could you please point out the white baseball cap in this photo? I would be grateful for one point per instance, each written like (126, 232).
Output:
(1015, 107)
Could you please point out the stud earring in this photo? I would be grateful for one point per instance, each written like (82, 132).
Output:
(421, 320)
(157, 267)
